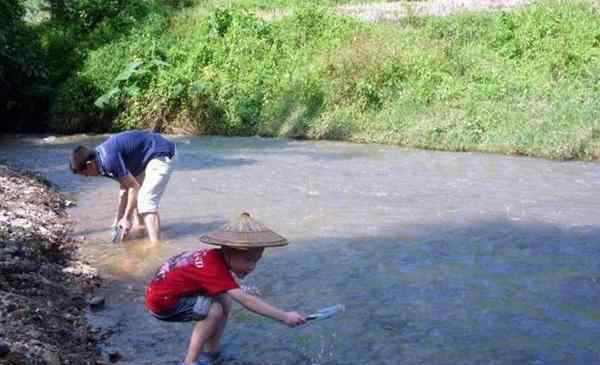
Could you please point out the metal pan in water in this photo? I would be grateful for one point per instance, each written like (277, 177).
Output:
(325, 313)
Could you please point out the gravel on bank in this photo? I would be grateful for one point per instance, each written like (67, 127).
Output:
(43, 287)
(396, 10)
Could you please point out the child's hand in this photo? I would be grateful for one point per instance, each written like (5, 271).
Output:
(293, 319)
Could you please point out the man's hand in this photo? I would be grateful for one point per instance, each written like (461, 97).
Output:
(131, 186)
(293, 319)
(125, 225)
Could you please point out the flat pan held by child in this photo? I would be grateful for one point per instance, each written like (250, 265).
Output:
(325, 313)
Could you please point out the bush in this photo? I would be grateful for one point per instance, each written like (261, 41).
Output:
(521, 82)
(23, 76)
(234, 64)
(90, 64)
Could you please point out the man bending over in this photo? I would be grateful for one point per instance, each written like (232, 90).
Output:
(142, 163)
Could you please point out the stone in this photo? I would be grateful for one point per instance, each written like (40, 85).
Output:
(96, 303)
(4, 349)
(114, 356)
(32, 333)
(51, 358)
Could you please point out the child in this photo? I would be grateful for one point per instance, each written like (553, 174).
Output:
(198, 286)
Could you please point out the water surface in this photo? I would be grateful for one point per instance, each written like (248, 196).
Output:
(439, 258)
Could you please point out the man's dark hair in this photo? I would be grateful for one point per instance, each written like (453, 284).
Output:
(80, 157)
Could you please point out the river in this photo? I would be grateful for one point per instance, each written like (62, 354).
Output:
(439, 258)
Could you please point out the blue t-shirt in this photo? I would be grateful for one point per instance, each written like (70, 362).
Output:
(130, 152)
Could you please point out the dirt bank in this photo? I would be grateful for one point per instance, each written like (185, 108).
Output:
(43, 288)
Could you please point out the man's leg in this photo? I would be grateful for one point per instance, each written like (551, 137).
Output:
(152, 221)
(140, 217)
(204, 330)
(157, 174)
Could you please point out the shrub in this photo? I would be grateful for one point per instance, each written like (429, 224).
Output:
(522, 82)
(23, 76)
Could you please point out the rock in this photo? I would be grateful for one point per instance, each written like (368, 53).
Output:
(34, 334)
(81, 269)
(51, 357)
(4, 349)
(96, 303)
(114, 356)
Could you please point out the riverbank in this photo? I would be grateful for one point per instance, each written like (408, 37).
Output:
(514, 77)
(518, 82)
(44, 288)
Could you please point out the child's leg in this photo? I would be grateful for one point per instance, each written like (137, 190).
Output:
(213, 343)
(203, 331)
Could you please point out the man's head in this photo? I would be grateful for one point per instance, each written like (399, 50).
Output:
(83, 161)
(242, 261)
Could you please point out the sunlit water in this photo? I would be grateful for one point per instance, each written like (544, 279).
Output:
(439, 258)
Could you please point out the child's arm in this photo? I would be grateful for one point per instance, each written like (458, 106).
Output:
(263, 308)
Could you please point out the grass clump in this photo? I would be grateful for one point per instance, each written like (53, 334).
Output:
(519, 82)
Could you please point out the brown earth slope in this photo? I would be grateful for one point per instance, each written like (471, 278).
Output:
(43, 289)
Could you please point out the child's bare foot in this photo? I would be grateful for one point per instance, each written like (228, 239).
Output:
(217, 358)
(199, 362)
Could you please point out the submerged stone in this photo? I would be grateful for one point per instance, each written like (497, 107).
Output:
(96, 303)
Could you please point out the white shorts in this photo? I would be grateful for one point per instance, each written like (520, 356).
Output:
(156, 176)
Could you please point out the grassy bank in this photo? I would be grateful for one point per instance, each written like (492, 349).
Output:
(520, 82)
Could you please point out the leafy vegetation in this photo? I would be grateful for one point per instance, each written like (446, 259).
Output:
(519, 82)
(22, 72)
(44, 46)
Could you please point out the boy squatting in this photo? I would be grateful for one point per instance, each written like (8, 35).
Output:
(199, 286)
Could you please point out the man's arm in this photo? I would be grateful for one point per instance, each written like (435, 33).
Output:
(263, 308)
(131, 185)
(122, 204)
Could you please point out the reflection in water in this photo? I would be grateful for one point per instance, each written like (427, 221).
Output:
(132, 258)
(439, 258)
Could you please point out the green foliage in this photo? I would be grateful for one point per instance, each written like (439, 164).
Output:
(234, 64)
(522, 82)
(22, 71)
(516, 82)
(78, 114)
(102, 22)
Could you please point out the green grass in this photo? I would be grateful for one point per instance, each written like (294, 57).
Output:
(521, 82)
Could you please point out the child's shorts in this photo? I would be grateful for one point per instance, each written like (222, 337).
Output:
(187, 309)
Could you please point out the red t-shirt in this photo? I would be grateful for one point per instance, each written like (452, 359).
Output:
(190, 273)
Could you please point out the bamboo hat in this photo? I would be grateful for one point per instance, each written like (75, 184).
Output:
(243, 232)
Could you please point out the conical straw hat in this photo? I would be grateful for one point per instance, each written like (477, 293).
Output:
(244, 232)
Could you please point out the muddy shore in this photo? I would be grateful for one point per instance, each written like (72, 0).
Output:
(44, 288)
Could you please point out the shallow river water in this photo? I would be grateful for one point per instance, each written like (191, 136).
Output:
(439, 258)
